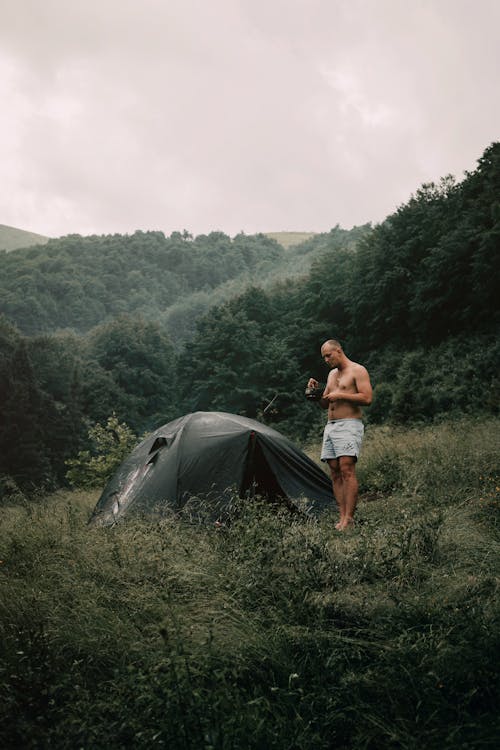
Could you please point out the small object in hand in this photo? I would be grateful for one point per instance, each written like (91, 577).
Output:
(314, 394)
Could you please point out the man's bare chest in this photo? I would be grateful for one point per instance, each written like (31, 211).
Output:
(343, 381)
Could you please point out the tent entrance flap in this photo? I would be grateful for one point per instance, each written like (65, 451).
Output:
(259, 479)
(246, 481)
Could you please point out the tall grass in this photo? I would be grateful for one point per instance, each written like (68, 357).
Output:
(269, 632)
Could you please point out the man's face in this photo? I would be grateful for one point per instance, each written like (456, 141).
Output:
(330, 355)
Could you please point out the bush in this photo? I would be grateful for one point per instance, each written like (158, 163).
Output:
(111, 444)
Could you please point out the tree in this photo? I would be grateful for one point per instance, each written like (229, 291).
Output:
(24, 414)
(130, 369)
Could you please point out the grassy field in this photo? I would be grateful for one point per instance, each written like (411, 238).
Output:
(12, 239)
(273, 631)
(288, 239)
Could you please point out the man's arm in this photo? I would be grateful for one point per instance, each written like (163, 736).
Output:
(324, 401)
(313, 384)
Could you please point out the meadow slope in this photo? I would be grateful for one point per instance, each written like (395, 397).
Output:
(273, 631)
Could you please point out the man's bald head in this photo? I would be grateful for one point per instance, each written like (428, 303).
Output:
(332, 344)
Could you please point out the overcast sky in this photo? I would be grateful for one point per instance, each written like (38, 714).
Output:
(238, 115)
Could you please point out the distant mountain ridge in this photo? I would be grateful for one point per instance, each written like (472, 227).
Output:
(13, 239)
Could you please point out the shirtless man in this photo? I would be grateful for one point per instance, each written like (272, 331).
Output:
(348, 388)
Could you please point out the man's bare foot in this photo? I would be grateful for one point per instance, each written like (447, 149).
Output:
(338, 525)
(346, 523)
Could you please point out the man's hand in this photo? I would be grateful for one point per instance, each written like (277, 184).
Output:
(314, 390)
(333, 396)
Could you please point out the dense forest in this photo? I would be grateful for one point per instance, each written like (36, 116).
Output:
(149, 327)
(76, 283)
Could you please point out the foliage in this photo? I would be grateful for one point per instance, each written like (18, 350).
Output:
(23, 412)
(80, 282)
(111, 443)
(228, 339)
(456, 377)
(428, 271)
(273, 631)
(54, 387)
(130, 368)
(41, 422)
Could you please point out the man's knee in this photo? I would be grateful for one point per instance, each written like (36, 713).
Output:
(347, 467)
(334, 468)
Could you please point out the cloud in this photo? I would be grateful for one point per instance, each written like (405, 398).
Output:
(237, 114)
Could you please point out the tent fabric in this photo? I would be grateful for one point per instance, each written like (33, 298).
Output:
(202, 455)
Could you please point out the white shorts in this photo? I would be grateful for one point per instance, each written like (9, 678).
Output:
(342, 437)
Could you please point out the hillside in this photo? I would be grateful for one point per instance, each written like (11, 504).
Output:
(13, 239)
(79, 282)
(290, 239)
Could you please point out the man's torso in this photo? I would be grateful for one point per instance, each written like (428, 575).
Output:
(344, 380)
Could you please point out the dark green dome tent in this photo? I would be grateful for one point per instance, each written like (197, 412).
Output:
(203, 454)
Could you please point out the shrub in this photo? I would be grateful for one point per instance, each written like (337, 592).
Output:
(111, 443)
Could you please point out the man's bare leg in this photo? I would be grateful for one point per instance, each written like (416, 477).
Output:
(338, 490)
(350, 487)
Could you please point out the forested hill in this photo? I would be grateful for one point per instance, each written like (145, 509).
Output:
(415, 299)
(79, 282)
